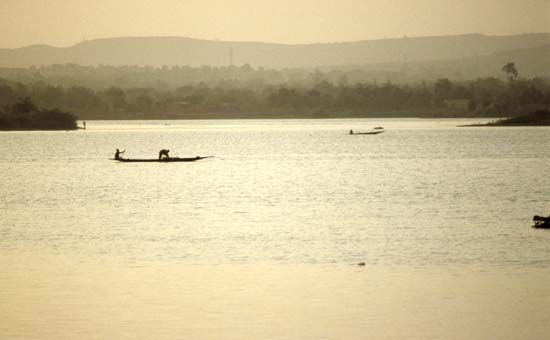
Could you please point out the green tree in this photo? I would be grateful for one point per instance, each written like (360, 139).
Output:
(442, 91)
(78, 97)
(510, 70)
(24, 106)
(7, 95)
(443, 88)
(144, 103)
(115, 97)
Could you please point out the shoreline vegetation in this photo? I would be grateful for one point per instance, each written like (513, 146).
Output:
(243, 92)
(537, 118)
(25, 116)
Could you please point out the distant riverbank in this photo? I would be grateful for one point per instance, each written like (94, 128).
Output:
(537, 118)
(325, 114)
(24, 115)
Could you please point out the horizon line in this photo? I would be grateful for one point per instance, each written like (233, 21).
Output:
(270, 43)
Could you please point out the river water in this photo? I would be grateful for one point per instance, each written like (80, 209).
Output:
(262, 241)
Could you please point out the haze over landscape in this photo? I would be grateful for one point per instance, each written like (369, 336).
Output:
(530, 50)
(290, 169)
(320, 33)
(64, 23)
(428, 39)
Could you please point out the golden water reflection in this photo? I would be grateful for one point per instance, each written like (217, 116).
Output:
(46, 296)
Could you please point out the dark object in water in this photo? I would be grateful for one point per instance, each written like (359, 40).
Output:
(379, 128)
(164, 160)
(366, 133)
(361, 263)
(541, 222)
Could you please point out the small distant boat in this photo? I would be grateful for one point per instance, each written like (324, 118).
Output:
(541, 222)
(365, 133)
(163, 160)
(379, 128)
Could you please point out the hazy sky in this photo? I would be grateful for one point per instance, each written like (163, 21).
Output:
(66, 22)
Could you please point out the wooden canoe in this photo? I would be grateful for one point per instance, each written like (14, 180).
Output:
(366, 133)
(164, 160)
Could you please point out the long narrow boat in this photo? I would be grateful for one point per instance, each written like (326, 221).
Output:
(366, 133)
(164, 160)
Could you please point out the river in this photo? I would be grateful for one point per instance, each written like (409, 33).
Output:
(263, 240)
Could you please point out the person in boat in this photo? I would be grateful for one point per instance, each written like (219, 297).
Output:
(164, 153)
(351, 132)
(118, 153)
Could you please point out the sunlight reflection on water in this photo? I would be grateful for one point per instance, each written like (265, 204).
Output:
(283, 191)
(261, 241)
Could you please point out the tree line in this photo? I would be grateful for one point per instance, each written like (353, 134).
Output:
(319, 97)
(25, 115)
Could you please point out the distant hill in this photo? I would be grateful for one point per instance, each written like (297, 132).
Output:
(159, 51)
(530, 62)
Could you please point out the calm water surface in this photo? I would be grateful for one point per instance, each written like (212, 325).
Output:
(260, 241)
